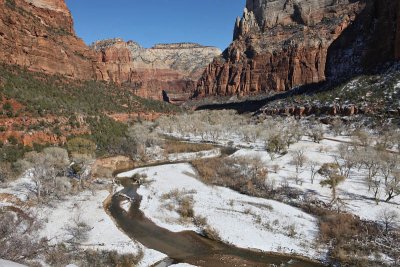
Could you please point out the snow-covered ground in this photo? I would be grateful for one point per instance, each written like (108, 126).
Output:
(353, 191)
(4, 263)
(243, 221)
(194, 155)
(157, 154)
(87, 207)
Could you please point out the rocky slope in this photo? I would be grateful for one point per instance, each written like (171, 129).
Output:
(39, 35)
(282, 44)
(174, 68)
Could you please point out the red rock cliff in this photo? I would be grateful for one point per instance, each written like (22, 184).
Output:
(39, 35)
(279, 45)
(174, 68)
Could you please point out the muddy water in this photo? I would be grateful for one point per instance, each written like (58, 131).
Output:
(189, 247)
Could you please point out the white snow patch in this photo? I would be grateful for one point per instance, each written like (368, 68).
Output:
(194, 155)
(5, 263)
(103, 234)
(183, 265)
(126, 205)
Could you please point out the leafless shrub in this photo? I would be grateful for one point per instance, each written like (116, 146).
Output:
(181, 201)
(18, 240)
(247, 175)
(211, 233)
(61, 255)
(77, 230)
(291, 228)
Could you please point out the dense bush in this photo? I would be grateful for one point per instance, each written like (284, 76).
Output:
(80, 145)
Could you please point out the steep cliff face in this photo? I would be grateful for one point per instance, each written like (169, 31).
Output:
(282, 44)
(370, 41)
(170, 67)
(39, 35)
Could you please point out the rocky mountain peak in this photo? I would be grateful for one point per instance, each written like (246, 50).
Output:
(270, 13)
(282, 44)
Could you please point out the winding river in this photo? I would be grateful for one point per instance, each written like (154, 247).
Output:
(189, 247)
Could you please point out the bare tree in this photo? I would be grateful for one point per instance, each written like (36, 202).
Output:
(337, 126)
(345, 160)
(388, 218)
(332, 177)
(313, 170)
(275, 146)
(386, 139)
(316, 133)
(140, 136)
(362, 137)
(371, 162)
(44, 169)
(392, 186)
(298, 160)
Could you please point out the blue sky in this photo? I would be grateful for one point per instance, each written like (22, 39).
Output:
(208, 22)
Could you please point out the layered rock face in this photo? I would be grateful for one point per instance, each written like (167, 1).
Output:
(173, 68)
(39, 35)
(282, 44)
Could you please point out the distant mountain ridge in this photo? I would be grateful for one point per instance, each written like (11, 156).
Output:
(169, 67)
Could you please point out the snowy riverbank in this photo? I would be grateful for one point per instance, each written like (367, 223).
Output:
(239, 220)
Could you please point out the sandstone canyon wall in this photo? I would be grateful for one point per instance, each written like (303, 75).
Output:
(282, 44)
(174, 68)
(39, 35)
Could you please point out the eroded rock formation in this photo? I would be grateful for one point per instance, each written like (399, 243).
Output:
(39, 35)
(174, 68)
(282, 44)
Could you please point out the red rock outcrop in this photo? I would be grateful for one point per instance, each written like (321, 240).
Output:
(39, 35)
(174, 68)
(279, 45)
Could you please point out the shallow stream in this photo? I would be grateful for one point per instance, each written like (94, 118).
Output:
(189, 247)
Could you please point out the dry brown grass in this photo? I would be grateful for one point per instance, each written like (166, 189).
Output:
(245, 175)
(181, 202)
(173, 146)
